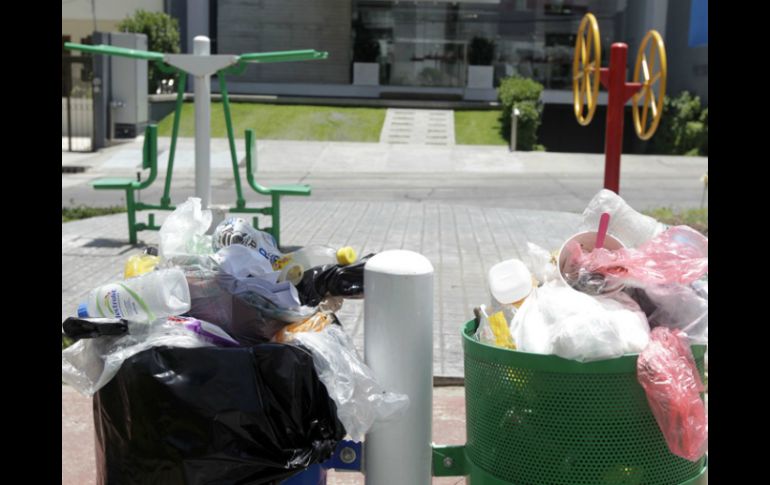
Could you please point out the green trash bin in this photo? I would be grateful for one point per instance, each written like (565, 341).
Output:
(544, 420)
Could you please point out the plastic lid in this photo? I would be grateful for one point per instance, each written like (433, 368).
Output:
(346, 255)
(510, 281)
(83, 310)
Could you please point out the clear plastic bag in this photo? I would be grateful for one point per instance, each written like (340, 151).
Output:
(183, 233)
(89, 364)
(361, 400)
(667, 372)
(541, 263)
(683, 307)
(628, 225)
(248, 316)
(678, 255)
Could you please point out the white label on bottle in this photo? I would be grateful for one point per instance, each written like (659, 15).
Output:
(121, 302)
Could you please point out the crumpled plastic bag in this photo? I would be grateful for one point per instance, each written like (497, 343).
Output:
(89, 364)
(678, 255)
(541, 263)
(557, 320)
(237, 231)
(361, 400)
(628, 225)
(683, 307)
(667, 372)
(315, 323)
(246, 315)
(183, 233)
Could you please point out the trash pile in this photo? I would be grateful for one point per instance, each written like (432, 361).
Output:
(220, 357)
(625, 284)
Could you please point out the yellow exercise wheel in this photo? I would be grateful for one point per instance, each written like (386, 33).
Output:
(650, 71)
(586, 65)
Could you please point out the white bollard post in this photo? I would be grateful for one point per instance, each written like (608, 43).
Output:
(202, 47)
(398, 345)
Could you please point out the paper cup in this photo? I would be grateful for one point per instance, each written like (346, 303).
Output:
(587, 241)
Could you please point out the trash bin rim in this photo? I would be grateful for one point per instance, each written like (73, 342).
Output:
(548, 363)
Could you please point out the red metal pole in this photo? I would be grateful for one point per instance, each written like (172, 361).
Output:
(616, 99)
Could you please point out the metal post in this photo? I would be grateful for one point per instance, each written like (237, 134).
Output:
(514, 125)
(616, 100)
(202, 47)
(398, 341)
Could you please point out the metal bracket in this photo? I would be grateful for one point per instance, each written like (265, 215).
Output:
(448, 461)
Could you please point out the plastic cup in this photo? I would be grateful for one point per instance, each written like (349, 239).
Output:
(587, 241)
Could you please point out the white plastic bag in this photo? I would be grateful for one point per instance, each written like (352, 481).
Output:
(626, 224)
(558, 320)
(541, 264)
(361, 400)
(89, 364)
(183, 233)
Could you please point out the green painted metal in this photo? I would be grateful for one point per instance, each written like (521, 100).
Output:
(284, 56)
(449, 461)
(115, 51)
(149, 159)
(479, 476)
(543, 419)
(165, 200)
(240, 202)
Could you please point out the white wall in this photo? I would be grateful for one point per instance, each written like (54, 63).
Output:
(106, 9)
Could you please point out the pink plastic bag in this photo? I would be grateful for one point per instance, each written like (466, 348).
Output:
(679, 255)
(667, 372)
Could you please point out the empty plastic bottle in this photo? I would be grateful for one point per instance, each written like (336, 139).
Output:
(293, 265)
(157, 294)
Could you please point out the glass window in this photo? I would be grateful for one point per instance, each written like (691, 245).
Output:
(433, 43)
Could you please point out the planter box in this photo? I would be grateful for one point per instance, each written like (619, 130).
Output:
(481, 77)
(366, 74)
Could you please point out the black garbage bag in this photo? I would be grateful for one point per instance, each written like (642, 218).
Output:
(78, 328)
(332, 280)
(247, 415)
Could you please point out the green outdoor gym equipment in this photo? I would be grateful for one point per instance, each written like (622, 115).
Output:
(201, 65)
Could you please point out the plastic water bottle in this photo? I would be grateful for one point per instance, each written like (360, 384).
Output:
(293, 265)
(157, 294)
(510, 282)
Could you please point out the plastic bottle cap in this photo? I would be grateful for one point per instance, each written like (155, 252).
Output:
(294, 274)
(346, 255)
(510, 281)
(83, 310)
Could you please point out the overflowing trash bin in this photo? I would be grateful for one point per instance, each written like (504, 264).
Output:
(588, 364)
(220, 359)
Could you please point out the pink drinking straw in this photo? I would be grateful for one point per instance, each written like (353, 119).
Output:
(604, 222)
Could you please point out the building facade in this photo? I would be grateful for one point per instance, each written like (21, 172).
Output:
(439, 48)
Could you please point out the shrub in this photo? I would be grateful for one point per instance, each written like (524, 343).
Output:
(523, 94)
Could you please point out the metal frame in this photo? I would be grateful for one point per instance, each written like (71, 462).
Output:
(197, 65)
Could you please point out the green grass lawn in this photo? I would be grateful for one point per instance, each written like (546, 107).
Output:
(286, 122)
(478, 128)
(698, 219)
(84, 212)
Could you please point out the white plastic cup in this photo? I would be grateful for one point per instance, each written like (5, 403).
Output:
(587, 241)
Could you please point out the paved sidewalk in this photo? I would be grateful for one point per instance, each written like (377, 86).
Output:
(300, 157)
